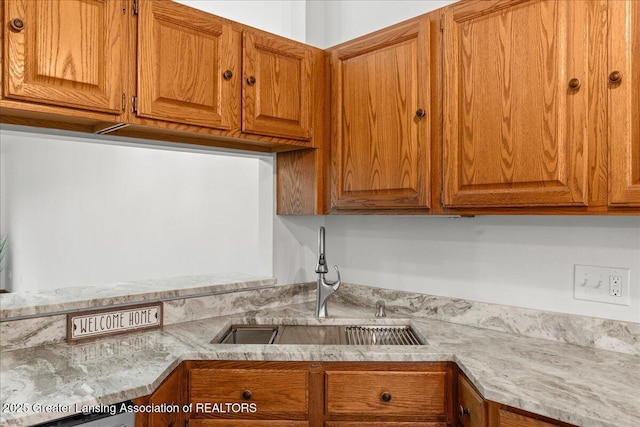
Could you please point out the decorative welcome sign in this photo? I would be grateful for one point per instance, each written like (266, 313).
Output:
(110, 321)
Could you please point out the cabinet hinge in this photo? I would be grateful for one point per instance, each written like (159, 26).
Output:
(124, 102)
(134, 104)
(442, 23)
(134, 8)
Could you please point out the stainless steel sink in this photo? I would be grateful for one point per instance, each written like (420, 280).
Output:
(321, 335)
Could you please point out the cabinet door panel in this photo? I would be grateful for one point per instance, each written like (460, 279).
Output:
(515, 131)
(182, 56)
(381, 147)
(474, 410)
(278, 102)
(624, 103)
(69, 53)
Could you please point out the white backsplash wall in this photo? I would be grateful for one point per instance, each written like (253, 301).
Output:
(525, 261)
(79, 212)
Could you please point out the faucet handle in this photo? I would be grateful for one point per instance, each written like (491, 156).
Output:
(337, 283)
(380, 309)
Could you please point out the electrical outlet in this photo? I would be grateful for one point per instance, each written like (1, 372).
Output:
(601, 284)
(615, 286)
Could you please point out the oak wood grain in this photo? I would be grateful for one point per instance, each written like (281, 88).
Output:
(280, 101)
(70, 53)
(182, 55)
(246, 423)
(278, 393)
(380, 148)
(506, 417)
(472, 401)
(360, 393)
(515, 134)
(624, 103)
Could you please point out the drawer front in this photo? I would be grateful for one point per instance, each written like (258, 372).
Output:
(376, 393)
(272, 393)
(246, 423)
(383, 424)
(471, 412)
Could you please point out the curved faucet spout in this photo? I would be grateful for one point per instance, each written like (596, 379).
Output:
(324, 287)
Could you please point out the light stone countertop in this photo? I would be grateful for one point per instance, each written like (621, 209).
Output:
(584, 386)
(28, 304)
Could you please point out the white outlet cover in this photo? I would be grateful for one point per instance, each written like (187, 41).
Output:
(592, 283)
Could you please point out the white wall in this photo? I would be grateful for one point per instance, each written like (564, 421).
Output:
(347, 19)
(80, 210)
(525, 261)
(282, 17)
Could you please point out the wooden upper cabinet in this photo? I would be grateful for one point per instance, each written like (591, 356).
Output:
(277, 86)
(188, 66)
(67, 53)
(381, 120)
(624, 103)
(515, 103)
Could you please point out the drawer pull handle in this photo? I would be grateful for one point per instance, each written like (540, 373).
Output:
(227, 75)
(246, 395)
(386, 396)
(462, 411)
(420, 113)
(251, 81)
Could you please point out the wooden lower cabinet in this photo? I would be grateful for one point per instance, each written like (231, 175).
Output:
(172, 391)
(331, 394)
(472, 408)
(388, 394)
(246, 423)
(501, 416)
(384, 424)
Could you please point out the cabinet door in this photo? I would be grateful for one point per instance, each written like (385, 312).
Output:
(171, 393)
(276, 92)
(515, 103)
(381, 120)
(509, 419)
(624, 103)
(188, 66)
(472, 410)
(68, 53)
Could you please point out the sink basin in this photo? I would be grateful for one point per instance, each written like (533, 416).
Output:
(321, 335)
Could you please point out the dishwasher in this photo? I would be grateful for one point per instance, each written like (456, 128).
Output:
(95, 419)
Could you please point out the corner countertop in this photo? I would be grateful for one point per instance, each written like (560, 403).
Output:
(579, 385)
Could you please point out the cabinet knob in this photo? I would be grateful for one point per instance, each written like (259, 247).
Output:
(251, 80)
(575, 84)
(615, 77)
(386, 396)
(420, 113)
(246, 395)
(462, 411)
(17, 24)
(227, 74)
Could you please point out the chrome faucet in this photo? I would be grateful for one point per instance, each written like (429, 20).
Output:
(324, 288)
